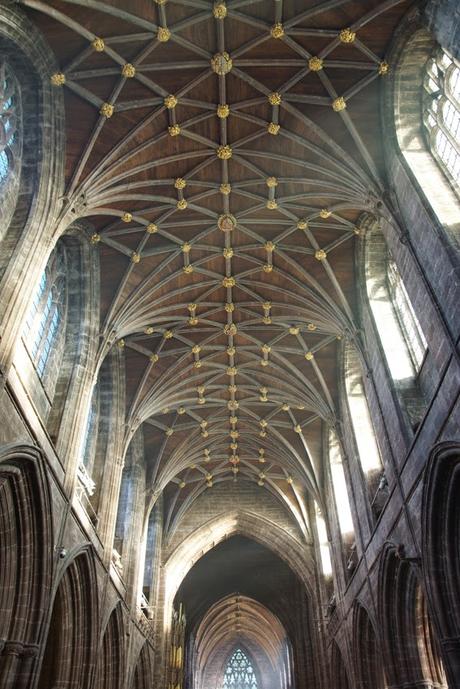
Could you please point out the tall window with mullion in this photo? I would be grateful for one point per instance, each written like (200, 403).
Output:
(90, 436)
(9, 114)
(400, 333)
(408, 321)
(10, 145)
(44, 332)
(89, 446)
(442, 113)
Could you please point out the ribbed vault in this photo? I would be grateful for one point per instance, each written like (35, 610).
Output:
(240, 622)
(223, 153)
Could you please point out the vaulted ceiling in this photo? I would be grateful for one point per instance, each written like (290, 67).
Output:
(240, 593)
(223, 153)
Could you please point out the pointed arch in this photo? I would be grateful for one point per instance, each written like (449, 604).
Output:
(223, 526)
(36, 170)
(69, 655)
(26, 549)
(411, 55)
(441, 550)
(367, 651)
(143, 675)
(411, 652)
(240, 670)
(339, 674)
(111, 663)
(261, 637)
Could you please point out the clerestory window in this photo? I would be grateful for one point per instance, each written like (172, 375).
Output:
(408, 321)
(9, 144)
(442, 113)
(45, 323)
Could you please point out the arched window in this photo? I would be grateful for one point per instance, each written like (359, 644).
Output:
(148, 562)
(9, 115)
(58, 337)
(323, 540)
(98, 438)
(90, 436)
(239, 673)
(10, 145)
(339, 485)
(363, 431)
(44, 332)
(442, 113)
(150, 550)
(87, 486)
(360, 418)
(125, 510)
(342, 501)
(408, 321)
(397, 325)
(425, 99)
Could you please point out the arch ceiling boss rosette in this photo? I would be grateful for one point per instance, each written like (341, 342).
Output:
(224, 152)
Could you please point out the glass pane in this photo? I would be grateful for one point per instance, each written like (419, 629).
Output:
(325, 553)
(42, 327)
(454, 83)
(239, 673)
(442, 112)
(452, 119)
(7, 121)
(410, 325)
(448, 155)
(340, 486)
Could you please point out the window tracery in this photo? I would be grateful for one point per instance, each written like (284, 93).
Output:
(239, 673)
(9, 139)
(442, 113)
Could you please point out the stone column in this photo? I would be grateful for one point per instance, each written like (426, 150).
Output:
(17, 664)
(450, 651)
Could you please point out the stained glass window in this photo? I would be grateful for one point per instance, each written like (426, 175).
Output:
(8, 122)
(239, 673)
(442, 113)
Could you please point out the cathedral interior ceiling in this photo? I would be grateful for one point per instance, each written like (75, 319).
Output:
(223, 154)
